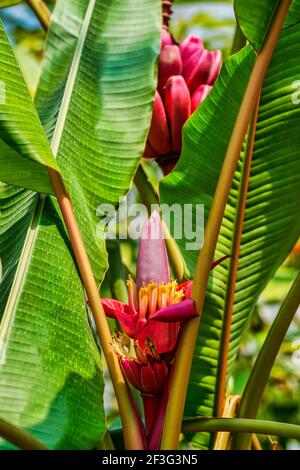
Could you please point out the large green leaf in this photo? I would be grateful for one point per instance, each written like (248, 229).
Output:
(24, 149)
(255, 16)
(272, 218)
(95, 101)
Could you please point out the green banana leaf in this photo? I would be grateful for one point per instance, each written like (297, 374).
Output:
(272, 222)
(256, 25)
(24, 149)
(16, 210)
(95, 101)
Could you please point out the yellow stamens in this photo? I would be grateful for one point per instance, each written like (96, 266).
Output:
(140, 354)
(143, 301)
(132, 294)
(163, 295)
(152, 296)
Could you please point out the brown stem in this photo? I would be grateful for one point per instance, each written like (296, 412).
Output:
(166, 12)
(130, 421)
(41, 11)
(18, 437)
(188, 339)
(233, 268)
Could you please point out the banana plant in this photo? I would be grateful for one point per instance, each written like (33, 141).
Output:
(119, 97)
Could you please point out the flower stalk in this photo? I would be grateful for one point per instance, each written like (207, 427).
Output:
(41, 11)
(188, 339)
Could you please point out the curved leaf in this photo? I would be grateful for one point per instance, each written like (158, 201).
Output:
(255, 16)
(96, 108)
(272, 222)
(50, 372)
(24, 149)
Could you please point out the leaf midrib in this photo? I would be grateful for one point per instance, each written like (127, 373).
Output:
(63, 111)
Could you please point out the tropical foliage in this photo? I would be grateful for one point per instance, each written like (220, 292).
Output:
(98, 132)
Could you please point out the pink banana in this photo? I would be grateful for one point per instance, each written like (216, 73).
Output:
(158, 137)
(199, 95)
(197, 69)
(166, 38)
(188, 46)
(216, 62)
(178, 107)
(169, 64)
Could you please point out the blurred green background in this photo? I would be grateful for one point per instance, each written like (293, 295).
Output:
(214, 22)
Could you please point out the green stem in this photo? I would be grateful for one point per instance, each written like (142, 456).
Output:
(239, 40)
(150, 198)
(241, 425)
(18, 437)
(117, 274)
(259, 376)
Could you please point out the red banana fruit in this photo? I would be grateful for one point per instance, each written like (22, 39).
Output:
(178, 107)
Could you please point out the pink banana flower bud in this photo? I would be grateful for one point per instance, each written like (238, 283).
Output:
(152, 241)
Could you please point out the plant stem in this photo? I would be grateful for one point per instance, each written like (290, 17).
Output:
(241, 425)
(150, 198)
(41, 11)
(255, 444)
(239, 40)
(233, 268)
(18, 437)
(259, 376)
(131, 426)
(230, 409)
(188, 338)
